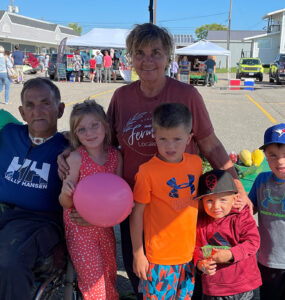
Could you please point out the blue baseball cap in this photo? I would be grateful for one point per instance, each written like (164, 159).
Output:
(274, 135)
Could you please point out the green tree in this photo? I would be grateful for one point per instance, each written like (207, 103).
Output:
(75, 27)
(202, 31)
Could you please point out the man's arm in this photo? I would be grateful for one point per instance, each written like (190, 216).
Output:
(214, 151)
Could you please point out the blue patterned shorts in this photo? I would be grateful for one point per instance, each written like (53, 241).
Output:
(169, 282)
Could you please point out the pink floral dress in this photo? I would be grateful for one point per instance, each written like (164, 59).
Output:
(93, 249)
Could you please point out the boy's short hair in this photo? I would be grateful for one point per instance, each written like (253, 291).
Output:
(274, 135)
(214, 182)
(171, 115)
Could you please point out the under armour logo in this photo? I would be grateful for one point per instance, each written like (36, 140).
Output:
(174, 192)
(274, 200)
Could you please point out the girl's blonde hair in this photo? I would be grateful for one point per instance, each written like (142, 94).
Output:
(88, 107)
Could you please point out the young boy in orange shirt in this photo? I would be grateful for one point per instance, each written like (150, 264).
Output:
(165, 209)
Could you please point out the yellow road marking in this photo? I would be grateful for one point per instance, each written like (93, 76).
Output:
(262, 109)
(93, 96)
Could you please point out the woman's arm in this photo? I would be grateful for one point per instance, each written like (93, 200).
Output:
(214, 151)
(69, 183)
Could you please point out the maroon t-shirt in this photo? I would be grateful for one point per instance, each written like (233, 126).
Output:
(130, 114)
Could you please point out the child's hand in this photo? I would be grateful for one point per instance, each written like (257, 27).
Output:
(68, 188)
(140, 266)
(207, 266)
(222, 256)
(76, 218)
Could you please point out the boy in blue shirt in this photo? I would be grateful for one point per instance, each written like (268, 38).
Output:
(267, 195)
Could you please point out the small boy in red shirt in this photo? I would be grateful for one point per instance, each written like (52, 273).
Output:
(227, 241)
(92, 65)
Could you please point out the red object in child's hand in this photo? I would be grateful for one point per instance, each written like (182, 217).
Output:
(233, 157)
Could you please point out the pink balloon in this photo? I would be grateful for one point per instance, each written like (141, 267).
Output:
(103, 199)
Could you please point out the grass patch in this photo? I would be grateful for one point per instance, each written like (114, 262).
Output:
(225, 70)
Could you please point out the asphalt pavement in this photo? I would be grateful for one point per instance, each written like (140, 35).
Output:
(240, 118)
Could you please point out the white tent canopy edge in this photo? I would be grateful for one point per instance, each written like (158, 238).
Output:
(101, 38)
(205, 48)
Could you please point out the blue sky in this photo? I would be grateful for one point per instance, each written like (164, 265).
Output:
(180, 16)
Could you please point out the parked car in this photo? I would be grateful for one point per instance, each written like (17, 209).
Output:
(277, 69)
(249, 68)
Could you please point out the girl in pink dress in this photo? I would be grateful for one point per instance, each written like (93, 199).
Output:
(92, 249)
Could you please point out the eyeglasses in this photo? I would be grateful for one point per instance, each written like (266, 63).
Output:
(84, 130)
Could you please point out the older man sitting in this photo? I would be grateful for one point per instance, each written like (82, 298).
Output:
(30, 215)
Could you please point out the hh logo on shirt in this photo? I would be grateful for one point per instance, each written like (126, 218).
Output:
(27, 174)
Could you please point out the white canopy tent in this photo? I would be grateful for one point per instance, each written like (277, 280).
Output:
(205, 48)
(101, 38)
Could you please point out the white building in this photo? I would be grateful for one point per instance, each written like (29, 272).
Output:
(266, 46)
(238, 44)
(31, 35)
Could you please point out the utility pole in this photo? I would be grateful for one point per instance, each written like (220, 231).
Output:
(154, 13)
(229, 32)
(150, 8)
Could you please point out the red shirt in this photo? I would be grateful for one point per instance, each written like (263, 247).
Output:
(107, 61)
(130, 114)
(92, 63)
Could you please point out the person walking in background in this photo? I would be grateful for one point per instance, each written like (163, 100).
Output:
(165, 211)
(107, 67)
(99, 63)
(19, 58)
(46, 65)
(41, 60)
(92, 248)
(4, 79)
(210, 65)
(174, 68)
(92, 65)
(184, 68)
(77, 66)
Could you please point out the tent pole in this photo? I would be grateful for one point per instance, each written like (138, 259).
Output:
(229, 69)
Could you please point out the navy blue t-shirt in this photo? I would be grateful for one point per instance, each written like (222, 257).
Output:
(29, 176)
(18, 57)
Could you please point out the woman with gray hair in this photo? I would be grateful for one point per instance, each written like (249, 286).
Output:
(130, 112)
(4, 79)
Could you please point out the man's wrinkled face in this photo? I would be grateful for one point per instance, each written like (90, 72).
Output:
(41, 110)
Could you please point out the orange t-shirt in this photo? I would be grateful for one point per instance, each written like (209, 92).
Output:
(170, 214)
